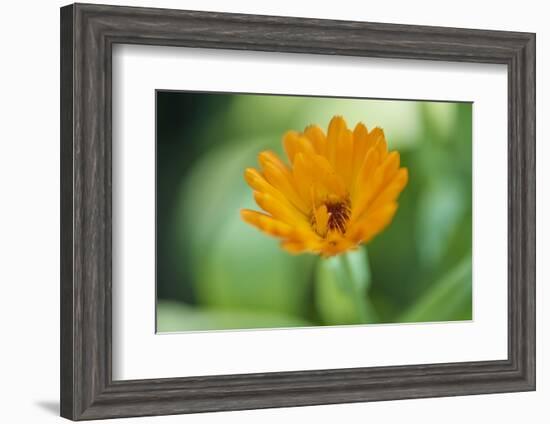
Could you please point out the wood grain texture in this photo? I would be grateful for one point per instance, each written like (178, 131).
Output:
(88, 33)
(66, 211)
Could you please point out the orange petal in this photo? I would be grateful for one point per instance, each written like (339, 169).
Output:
(372, 184)
(335, 244)
(317, 138)
(374, 135)
(295, 143)
(343, 160)
(303, 176)
(321, 219)
(303, 243)
(360, 146)
(391, 165)
(257, 182)
(293, 246)
(325, 174)
(365, 175)
(282, 180)
(272, 158)
(314, 172)
(280, 210)
(391, 191)
(266, 223)
(372, 223)
(336, 127)
(380, 144)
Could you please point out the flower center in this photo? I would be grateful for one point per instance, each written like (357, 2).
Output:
(339, 214)
(332, 215)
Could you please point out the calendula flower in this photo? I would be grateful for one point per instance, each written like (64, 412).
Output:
(339, 190)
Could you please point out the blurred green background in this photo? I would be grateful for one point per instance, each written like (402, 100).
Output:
(216, 272)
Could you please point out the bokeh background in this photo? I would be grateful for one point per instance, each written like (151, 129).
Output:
(215, 272)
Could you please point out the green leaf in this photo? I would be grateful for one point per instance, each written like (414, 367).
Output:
(440, 207)
(449, 299)
(229, 264)
(176, 316)
(244, 269)
(341, 285)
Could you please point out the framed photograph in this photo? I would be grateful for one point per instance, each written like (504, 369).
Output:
(264, 211)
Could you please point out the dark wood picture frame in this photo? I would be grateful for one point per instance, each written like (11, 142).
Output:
(88, 33)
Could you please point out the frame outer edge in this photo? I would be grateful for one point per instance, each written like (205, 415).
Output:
(67, 318)
(529, 119)
(87, 391)
(522, 212)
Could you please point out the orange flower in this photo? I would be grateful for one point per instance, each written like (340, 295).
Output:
(339, 191)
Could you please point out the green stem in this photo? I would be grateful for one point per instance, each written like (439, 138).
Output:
(365, 309)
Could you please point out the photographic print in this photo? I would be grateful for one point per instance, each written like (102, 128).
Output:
(278, 211)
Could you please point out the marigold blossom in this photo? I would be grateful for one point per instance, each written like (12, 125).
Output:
(338, 191)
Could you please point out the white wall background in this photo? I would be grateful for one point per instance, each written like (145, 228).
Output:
(29, 211)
